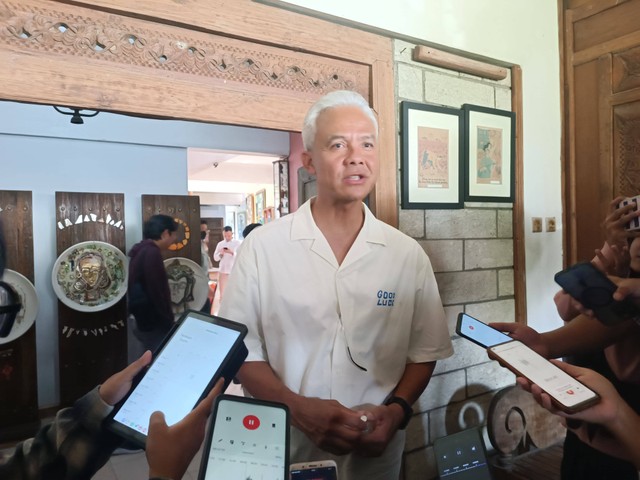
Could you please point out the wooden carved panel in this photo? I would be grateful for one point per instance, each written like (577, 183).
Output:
(626, 70)
(57, 30)
(606, 26)
(626, 138)
(18, 379)
(93, 345)
(185, 209)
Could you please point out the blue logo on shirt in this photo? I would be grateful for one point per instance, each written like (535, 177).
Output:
(386, 299)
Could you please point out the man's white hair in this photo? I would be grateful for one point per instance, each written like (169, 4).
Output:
(338, 98)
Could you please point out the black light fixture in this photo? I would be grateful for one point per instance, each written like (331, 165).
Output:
(76, 116)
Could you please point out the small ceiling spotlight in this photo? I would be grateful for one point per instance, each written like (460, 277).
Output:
(76, 116)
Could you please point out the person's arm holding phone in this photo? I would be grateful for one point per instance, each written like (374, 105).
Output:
(170, 449)
(612, 258)
(76, 437)
(621, 424)
(581, 335)
(219, 251)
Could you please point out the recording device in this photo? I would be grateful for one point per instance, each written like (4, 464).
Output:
(247, 438)
(197, 351)
(567, 393)
(634, 224)
(462, 456)
(588, 285)
(322, 470)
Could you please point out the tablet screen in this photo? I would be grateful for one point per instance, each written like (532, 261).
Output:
(179, 375)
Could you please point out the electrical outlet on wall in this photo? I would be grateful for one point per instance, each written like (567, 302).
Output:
(551, 224)
(536, 224)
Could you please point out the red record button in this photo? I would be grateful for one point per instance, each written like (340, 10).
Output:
(251, 422)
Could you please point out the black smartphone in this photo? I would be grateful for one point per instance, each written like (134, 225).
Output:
(247, 438)
(462, 455)
(198, 350)
(588, 285)
(478, 332)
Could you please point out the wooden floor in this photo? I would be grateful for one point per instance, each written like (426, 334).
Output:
(541, 464)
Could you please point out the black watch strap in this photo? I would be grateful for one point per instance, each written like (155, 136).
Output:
(408, 411)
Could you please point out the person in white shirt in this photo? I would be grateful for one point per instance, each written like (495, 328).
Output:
(344, 316)
(225, 253)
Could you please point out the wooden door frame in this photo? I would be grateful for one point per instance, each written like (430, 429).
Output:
(237, 63)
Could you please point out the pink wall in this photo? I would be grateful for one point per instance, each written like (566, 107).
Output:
(295, 162)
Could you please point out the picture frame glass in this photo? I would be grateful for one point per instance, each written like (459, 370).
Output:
(489, 163)
(431, 157)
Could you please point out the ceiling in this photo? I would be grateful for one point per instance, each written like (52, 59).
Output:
(219, 171)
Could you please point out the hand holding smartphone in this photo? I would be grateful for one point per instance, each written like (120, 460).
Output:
(198, 351)
(589, 286)
(247, 438)
(567, 393)
(634, 224)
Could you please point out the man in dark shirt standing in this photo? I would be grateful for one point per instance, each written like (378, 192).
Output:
(149, 298)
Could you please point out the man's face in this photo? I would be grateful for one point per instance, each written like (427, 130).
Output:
(227, 235)
(344, 156)
(168, 238)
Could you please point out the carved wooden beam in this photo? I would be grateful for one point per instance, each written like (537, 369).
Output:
(443, 59)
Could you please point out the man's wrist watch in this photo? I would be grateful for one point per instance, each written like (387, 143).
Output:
(408, 411)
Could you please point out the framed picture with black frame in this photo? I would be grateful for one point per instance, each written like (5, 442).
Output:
(490, 147)
(432, 151)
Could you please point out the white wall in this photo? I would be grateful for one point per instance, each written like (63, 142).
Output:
(521, 32)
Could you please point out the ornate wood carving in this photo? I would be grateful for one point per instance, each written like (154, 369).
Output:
(112, 38)
(93, 345)
(626, 134)
(18, 379)
(626, 70)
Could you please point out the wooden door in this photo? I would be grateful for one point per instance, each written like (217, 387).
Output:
(215, 227)
(602, 115)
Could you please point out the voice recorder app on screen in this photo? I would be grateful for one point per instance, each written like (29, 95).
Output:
(248, 442)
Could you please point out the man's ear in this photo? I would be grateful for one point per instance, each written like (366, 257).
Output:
(307, 163)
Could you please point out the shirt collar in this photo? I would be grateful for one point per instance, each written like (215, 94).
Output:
(304, 227)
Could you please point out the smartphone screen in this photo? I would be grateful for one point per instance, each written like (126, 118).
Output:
(247, 438)
(479, 332)
(184, 370)
(568, 392)
(462, 456)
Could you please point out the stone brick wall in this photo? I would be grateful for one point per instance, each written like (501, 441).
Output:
(472, 254)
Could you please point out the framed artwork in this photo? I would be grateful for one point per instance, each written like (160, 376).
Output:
(250, 209)
(432, 147)
(489, 154)
(281, 184)
(260, 197)
(242, 222)
(269, 214)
